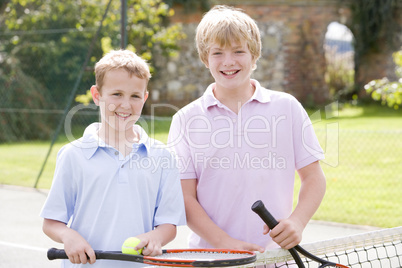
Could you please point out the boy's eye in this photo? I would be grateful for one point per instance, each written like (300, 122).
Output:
(116, 94)
(239, 51)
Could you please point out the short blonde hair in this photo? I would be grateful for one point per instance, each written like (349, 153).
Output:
(224, 25)
(121, 59)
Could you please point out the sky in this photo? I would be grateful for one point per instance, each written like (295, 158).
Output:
(339, 32)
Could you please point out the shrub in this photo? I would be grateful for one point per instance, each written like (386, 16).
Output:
(386, 91)
(21, 114)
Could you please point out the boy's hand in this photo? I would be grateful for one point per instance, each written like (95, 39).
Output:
(151, 244)
(287, 234)
(78, 249)
(154, 240)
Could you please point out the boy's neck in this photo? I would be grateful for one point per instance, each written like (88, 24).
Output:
(121, 141)
(234, 98)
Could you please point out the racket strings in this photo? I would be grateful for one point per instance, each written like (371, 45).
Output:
(205, 256)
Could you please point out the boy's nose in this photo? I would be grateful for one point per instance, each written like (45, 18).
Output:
(229, 61)
(125, 103)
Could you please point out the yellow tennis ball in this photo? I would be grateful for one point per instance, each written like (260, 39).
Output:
(129, 245)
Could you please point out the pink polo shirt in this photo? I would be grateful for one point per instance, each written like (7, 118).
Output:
(238, 159)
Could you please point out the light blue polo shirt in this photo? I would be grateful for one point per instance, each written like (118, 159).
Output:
(108, 198)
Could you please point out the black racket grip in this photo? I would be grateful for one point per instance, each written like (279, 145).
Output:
(259, 208)
(54, 253)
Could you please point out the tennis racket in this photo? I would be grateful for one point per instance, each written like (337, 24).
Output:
(175, 257)
(259, 208)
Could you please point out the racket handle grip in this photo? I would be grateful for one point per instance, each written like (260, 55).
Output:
(259, 208)
(54, 253)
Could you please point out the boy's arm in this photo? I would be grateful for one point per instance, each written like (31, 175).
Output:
(77, 248)
(199, 221)
(156, 239)
(288, 233)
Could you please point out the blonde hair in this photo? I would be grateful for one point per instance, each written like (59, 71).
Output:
(121, 59)
(224, 25)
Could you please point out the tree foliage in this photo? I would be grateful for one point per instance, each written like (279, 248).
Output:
(372, 21)
(149, 30)
(21, 117)
(190, 5)
(149, 33)
(47, 41)
(54, 36)
(388, 92)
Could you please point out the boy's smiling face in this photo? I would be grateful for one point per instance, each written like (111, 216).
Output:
(121, 100)
(232, 66)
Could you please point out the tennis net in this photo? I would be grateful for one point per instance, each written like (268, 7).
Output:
(375, 249)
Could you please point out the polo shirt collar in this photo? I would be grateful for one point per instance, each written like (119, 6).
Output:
(90, 141)
(260, 94)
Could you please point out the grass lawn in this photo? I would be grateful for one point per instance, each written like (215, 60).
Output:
(363, 164)
(363, 170)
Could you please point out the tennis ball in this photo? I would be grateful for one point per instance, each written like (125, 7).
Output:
(129, 245)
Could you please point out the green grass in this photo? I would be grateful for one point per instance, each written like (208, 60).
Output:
(362, 166)
(364, 186)
(21, 162)
(363, 170)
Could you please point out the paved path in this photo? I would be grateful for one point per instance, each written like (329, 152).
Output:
(23, 244)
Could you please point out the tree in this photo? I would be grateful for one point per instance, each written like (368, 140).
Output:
(373, 24)
(148, 30)
(19, 94)
(50, 39)
(47, 41)
(149, 33)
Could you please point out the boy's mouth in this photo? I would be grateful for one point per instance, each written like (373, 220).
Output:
(230, 72)
(122, 115)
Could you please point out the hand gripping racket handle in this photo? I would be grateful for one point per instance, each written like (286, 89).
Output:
(259, 208)
(54, 253)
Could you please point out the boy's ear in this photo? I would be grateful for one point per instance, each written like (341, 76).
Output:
(254, 65)
(95, 94)
(146, 95)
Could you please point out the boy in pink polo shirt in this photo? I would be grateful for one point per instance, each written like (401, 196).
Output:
(240, 143)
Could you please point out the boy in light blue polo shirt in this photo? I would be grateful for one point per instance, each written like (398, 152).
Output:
(115, 182)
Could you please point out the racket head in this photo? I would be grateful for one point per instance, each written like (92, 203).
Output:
(203, 257)
(176, 257)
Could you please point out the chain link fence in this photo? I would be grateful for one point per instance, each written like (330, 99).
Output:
(35, 84)
(364, 176)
